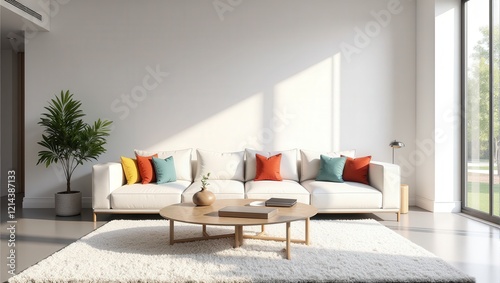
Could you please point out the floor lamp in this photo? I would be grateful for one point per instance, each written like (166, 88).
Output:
(395, 144)
(404, 188)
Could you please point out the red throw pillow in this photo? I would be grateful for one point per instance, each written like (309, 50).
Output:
(145, 164)
(356, 169)
(268, 168)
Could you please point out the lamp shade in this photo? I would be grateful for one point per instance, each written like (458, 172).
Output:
(396, 144)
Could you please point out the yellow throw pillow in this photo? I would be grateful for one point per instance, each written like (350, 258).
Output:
(131, 170)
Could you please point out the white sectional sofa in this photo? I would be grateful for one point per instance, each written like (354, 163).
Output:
(232, 177)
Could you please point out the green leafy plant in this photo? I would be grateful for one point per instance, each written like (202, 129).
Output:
(204, 181)
(67, 138)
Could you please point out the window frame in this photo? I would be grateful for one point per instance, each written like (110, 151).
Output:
(468, 210)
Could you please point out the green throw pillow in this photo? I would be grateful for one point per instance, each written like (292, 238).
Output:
(331, 169)
(165, 170)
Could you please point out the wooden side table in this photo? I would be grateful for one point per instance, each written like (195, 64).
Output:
(404, 198)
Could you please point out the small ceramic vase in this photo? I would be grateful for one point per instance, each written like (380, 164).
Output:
(203, 197)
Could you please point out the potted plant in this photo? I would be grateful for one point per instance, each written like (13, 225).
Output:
(69, 140)
(204, 197)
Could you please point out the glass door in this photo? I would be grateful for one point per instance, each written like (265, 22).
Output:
(481, 88)
(495, 110)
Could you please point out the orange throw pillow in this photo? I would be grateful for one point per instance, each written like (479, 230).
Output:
(268, 168)
(145, 164)
(356, 169)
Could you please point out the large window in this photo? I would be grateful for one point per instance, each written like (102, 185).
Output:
(481, 104)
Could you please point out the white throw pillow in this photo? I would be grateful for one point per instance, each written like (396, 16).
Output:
(221, 165)
(288, 167)
(310, 162)
(182, 161)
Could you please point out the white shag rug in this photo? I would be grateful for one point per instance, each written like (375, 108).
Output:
(340, 251)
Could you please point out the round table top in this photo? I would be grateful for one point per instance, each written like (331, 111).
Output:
(209, 215)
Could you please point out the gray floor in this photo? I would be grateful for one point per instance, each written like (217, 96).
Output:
(468, 244)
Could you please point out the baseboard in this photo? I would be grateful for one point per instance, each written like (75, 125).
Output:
(38, 202)
(49, 202)
(434, 206)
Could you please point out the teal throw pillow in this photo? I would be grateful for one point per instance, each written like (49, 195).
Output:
(165, 170)
(331, 169)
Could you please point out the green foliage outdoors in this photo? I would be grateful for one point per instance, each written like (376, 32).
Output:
(478, 93)
(478, 118)
(483, 197)
(67, 138)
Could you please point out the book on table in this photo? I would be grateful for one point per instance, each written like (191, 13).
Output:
(248, 212)
(282, 202)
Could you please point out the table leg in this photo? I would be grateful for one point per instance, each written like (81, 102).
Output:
(205, 234)
(241, 235)
(171, 232)
(288, 255)
(238, 236)
(308, 222)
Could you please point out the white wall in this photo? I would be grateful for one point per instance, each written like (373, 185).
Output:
(438, 105)
(425, 174)
(318, 75)
(8, 147)
(448, 106)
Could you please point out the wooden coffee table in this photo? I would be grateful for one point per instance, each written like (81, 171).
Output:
(208, 215)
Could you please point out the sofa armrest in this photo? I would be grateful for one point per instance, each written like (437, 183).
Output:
(105, 178)
(386, 178)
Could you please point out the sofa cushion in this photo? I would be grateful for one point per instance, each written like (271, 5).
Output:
(356, 169)
(220, 165)
(288, 167)
(131, 170)
(310, 162)
(270, 189)
(164, 169)
(148, 196)
(146, 169)
(268, 168)
(182, 161)
(331, 169)
(347, 195)
(223, 189)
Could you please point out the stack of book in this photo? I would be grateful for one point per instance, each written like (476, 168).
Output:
(248, 212)
(283, 202)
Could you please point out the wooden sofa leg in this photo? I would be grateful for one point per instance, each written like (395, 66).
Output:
(95, 217)
(399, 215)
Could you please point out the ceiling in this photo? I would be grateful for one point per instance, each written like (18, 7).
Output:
(11, 27)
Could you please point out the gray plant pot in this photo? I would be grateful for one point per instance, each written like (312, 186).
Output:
(68, 204)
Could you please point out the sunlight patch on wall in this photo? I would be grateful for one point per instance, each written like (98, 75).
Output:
(231, 129)
(336, 60)
(312, 97)
(447, 100)
(302, 111)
